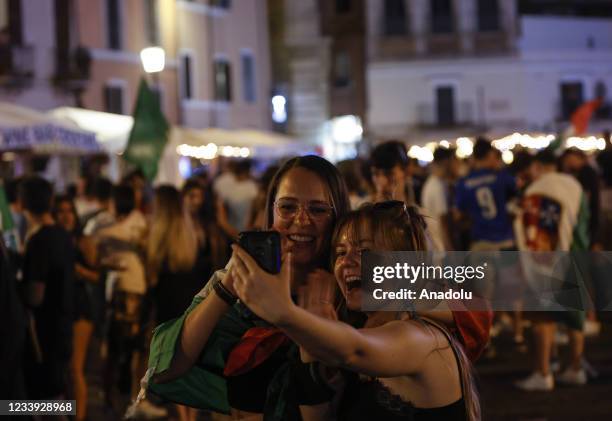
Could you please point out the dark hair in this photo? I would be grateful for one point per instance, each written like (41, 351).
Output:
(573, 151)
(443, 154)
(482, 147)
(89, 188)
(103, 189)
(35, 194)
(65, 198)
(522, 161)
(242, 166)
(325, 170)
(389, 154)
(11, 187)
(192, 183)
(71, 191)
(123, 199)
(351, 174)
(545, 157)
(129, 177)
(268, 175)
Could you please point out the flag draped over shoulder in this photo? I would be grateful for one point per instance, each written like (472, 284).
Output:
(149, 133)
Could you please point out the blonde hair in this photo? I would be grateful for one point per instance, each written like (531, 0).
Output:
(172, 237)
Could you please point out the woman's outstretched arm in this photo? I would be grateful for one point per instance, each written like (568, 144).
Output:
(196, 331)
(394, 349)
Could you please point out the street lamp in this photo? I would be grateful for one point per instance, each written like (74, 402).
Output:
(153, 62)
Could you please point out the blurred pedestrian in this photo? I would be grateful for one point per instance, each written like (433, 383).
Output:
(178, 262)
(101, 216)
(122, 250)
(575, 162)
(258, 207)
(437, 197)
(237, 193)
(48, 275)
(65, 215)
(390, 169)
(351, 173)
(553, 218)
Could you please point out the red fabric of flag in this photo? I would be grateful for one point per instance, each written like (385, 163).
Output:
(255, 346)
(580, 118)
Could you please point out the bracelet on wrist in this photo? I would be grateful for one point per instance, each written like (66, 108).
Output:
(223, 293)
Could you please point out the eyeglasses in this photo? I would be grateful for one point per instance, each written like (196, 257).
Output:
(289, 208)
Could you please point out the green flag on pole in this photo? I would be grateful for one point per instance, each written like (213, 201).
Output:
(149, 133)
(6, 218)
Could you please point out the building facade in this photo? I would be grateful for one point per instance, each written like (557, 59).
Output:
(442, 69)
(86, 53)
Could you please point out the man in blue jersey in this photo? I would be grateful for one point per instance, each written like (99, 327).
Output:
(483, 195)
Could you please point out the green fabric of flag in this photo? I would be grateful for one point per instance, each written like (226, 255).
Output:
(6, 222)
(149, 133)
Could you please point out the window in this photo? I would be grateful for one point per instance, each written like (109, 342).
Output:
(343, 6)
(342, 69)
(488, 15)
(395, 17)
(10, 20)
(113, 99)
(445, 105)
(441, 16)
(223, 90)
(186, 81)
(571, 98)
(224, 4)
(113, 24)
(62, 38)
(248, 77)
(151, 21)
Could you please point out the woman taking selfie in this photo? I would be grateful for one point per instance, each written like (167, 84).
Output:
(306, 197)
(401, 366)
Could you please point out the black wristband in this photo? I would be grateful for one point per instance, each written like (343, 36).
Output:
(223, 293)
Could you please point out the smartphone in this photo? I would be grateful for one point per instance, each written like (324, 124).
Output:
(264, 247)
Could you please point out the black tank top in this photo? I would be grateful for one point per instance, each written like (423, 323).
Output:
(372, 400)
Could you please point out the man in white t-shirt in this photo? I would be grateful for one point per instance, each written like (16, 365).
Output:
(435, 197)
(237, 191)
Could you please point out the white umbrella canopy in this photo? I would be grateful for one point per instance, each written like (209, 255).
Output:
(26, 129)
(112, 130)
(261, 144)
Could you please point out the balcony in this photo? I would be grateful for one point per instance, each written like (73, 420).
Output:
(16, 66)
(72, 69)
(429, 116)
(396, 47)
(491, 42)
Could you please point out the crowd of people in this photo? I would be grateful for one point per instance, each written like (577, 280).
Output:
(105, 263)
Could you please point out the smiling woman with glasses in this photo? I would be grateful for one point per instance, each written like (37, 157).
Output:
(305, 199)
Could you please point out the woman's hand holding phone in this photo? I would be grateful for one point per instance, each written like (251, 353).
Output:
(267, 295)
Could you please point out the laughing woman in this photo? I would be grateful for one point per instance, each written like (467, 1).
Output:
(400, 366)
